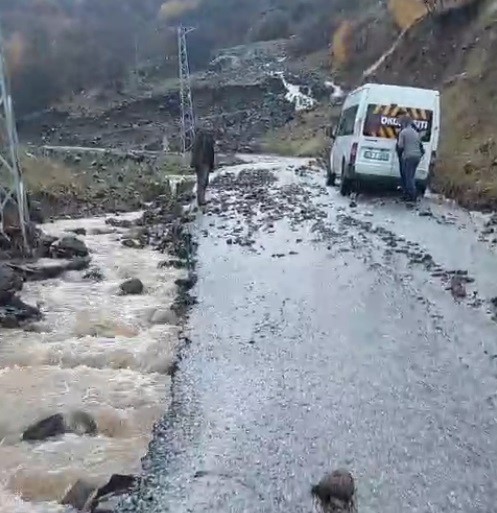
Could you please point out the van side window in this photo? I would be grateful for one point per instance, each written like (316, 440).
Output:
(347, 121)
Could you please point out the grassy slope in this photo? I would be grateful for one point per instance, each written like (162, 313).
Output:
(95, 184)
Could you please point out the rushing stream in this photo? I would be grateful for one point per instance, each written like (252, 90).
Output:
(95, 351)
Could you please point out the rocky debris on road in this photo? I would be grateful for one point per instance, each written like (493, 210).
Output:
(248, 194)
(133, 286)
(78, 422)
(336, 492)
(68, 247)
(457, 287)
(85, 496)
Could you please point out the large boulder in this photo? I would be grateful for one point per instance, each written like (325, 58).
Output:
(69, 247)
(16, 312)
(48, 270)
(10, 283)
(107, 497)
(80, 495)
(164, 316)
(78, 422)
(86, 496)
(44, 244)
(133, 286)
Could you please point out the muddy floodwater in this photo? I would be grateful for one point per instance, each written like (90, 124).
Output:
(95, 351)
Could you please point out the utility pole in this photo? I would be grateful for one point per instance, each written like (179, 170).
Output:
(187, 119)
(12, 191)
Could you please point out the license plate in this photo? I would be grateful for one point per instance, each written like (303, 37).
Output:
(381, 155)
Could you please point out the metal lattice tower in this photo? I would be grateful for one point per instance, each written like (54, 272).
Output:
(14, 214)
(187, 119)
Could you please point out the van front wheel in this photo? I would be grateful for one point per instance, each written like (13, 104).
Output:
(330, 179)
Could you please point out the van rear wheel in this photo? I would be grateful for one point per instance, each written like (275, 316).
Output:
(346, 185)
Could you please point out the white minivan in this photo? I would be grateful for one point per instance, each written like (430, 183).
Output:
(364, 147)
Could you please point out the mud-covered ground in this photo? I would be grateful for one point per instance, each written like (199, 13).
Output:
(329, 333)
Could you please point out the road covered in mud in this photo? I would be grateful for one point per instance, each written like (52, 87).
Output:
(330, 333)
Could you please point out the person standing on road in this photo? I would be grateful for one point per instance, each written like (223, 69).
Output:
(202, 161)
(410, 150)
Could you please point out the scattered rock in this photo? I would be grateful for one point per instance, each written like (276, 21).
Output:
(119, 223)
(69, 247)
(78, 231)
(164, 316)
(15, 312)
(108, 496)
(44, 244)
(187, 283)
(10, 283)
(134, 286)
(425, 213)
(78, 422)
(94, 274)
(132, 243)
(336, 492)
(176, 264)
(80, 495)
(46, 271)
(457, 287)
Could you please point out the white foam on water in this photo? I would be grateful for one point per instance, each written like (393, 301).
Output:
(96, 351)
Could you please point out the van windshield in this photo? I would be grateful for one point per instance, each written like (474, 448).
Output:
(384, 121)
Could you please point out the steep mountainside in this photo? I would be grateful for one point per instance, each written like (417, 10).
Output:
(55, 47)
(105, 60)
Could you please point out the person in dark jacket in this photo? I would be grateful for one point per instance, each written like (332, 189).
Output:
(404, 121)
(203, 154)
(411, 151)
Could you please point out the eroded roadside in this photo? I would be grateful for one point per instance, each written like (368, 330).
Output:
(84, 381)
(329, 332)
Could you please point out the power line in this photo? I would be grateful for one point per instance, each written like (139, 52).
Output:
(187, 119)
(12, 191)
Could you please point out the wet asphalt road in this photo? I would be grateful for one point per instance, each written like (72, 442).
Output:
(327, 339)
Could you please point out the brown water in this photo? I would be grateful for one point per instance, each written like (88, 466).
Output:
(95, 351)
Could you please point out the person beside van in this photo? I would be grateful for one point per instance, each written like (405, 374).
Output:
(411, 151)
(403, 116)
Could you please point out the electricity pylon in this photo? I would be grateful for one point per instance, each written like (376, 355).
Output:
(186, 104)
(13, 202)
